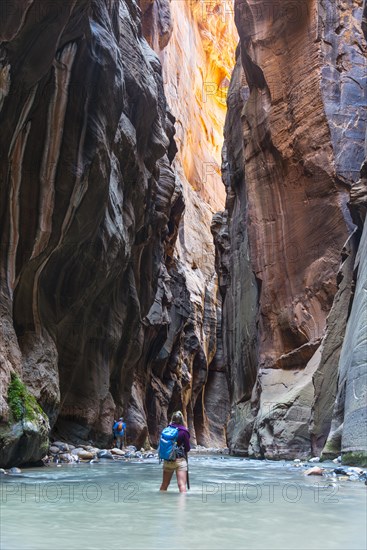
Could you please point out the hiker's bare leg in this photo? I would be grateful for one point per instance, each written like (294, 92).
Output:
(181, 480)
(167, 476)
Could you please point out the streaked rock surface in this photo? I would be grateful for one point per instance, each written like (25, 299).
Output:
(189, 371)
(294, 143)
(109, 300)
(349, 422)
(101, 314)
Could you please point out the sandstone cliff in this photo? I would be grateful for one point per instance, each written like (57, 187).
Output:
(102, 313)
(349, 421)
(190, 372)
(294, 144)
(111, 115)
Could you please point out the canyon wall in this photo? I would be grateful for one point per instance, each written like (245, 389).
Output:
(108, 293)
(189, 371)
(348, 433)
(286, 243)
(111, 115)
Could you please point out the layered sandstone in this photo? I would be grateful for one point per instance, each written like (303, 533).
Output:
(109, 300)
(196, 48)
(294, 143)
(87, 197)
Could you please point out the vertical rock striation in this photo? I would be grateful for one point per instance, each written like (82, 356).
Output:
(348, 434)
(294, 143)
(188, 371)
(87, 196)
(109, 300)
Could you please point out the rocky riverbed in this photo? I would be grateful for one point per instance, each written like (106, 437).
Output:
(62, 453)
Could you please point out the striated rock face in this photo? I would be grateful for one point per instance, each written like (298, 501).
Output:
(111, 115)
(87, 197)
(188, 371)
(294, 143)
(349, 421)
(109, 301)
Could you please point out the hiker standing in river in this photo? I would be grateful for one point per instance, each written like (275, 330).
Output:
(118, 429)
(174, 446)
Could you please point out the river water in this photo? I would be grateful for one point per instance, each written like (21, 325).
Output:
(233, 503)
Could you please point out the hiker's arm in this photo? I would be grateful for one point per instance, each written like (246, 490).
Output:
(186, 442)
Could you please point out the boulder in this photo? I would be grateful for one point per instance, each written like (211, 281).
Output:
(104, 454)
(117, 452)
(83, 454)
(315, 471)
(64, 447)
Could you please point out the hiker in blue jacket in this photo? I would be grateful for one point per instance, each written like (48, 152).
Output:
(179, 464)
(118, 430)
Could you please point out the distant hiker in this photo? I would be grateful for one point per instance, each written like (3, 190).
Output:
(118, 429)
(174, 445)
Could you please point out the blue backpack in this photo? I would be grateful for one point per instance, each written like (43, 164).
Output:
(119, 428)
(168, 444)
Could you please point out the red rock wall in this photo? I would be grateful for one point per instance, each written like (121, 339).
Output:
(100, 314)
(290, 158)
(109, 300)
(87, 195)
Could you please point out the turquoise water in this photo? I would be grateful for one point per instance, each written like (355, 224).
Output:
(233, 503)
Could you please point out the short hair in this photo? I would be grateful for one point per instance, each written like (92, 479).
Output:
(177, 418)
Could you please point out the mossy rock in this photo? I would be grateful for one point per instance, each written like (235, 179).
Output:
(355, 458)
(332, 448)
(22, 404)
(25, 437)
(329, 454)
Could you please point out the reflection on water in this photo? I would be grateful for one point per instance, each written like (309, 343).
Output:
(233, 503)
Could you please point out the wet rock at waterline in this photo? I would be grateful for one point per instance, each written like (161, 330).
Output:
(118, 452)
(89, 454)
(315, 471)
(15, 471)
(104, 454)
(24, 437)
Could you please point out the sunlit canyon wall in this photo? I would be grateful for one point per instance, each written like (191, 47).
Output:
(196, 49)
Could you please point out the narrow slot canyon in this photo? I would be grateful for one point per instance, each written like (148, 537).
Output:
(183, 204)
